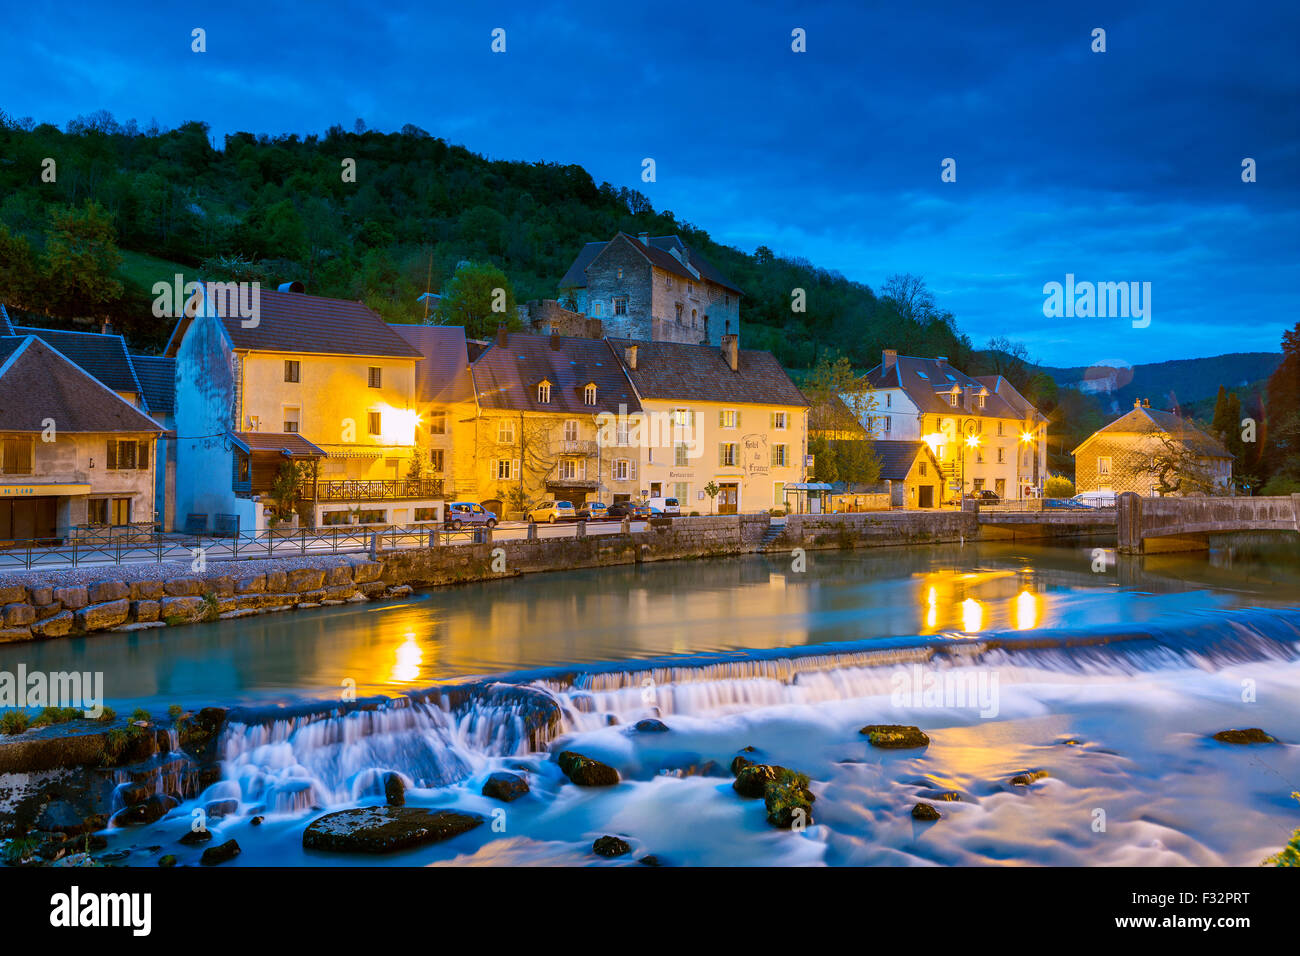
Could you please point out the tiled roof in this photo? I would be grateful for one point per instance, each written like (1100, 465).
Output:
(296, 322)
(927, 381)
(896, 457)
(157, 376)
(506, 376)
(1151, 421)
(677, 371)
(656, 249)
(103, 356)
(287, 443)
(38, 383)
(442, 374)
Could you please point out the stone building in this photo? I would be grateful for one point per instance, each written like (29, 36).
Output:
(652, 289)
(1127, 455)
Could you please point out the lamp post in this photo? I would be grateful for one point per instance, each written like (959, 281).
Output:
(972, 441)
(1025, 439)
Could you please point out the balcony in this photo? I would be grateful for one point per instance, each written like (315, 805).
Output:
(586, 449)
(379, 489)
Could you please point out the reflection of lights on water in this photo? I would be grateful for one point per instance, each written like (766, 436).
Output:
(932, 613)
(972, 615)
(409, 655)
(1026, 611)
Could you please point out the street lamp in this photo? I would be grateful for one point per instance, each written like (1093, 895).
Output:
(1025, 439)
(972, 441)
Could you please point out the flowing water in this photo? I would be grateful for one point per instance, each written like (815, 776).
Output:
(1108, 674)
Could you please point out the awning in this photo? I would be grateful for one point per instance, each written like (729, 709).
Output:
(40, 491)
(289, 444)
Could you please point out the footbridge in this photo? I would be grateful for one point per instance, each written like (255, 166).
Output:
(1155, 525)
(1037, 519)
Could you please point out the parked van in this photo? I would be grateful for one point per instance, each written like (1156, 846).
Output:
(665, 506)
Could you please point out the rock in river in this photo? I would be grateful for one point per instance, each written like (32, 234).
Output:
(895, 736)
(651, 726)
(1251, 735)
(610, 846)
(385, 829)
(925, 813)
(220, 853)
(586, 772)
(505, 786)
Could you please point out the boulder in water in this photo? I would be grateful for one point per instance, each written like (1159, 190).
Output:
(754, 781)
(925, 813)
(193, 837)
(1028, 777)
(385, 829)
(895, 736)
(394, 790)
(505, 786)
(610, 846)
(651, 726)
(149, 811)
(650, 860)
(747, 757)
(220, 853)
(168, 860)
(586, 772)
(1251, 735)
(789, 802)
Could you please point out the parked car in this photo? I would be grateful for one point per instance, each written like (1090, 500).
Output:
(593, 511)
(552, 511)
(465, 513)
(628, 509)
(984, 495)
(667, 506)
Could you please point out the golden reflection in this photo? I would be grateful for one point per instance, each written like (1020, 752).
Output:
(972, 615)
(1026, 611)
(932, 612)
(409, 656)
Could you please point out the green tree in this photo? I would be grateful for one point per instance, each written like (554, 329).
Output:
(81, 260)
(479, 297)
(20, 279)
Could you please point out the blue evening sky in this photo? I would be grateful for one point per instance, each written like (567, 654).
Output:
(1115, 166)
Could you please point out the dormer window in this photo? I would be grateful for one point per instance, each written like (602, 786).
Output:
(980, 400)
(589, 394)
(544, 392)
(952, 399)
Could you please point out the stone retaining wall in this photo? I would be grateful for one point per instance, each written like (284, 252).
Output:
(40, 605)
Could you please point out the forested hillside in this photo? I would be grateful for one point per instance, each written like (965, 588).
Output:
(278, 208)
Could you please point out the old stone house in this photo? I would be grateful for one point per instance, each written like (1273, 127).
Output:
(1145, 446)
(652, 289)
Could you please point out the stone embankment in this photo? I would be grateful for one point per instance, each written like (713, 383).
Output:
(38, 605)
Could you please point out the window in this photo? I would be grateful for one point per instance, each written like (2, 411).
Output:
(620, 273)
(889, 399)
(97, 511)
(620, 305)
(504, 470)
(620, 436)
(680, 452)
(568, 469)
(888, 423)
(980, 402)
(376, 423)
(979, 484)
(505, 432)
(291, 417)
(779, 456)
(728, 418)
(600, 307)
(589, 394)
(727, 455)
(621, 471)
(438, 423)
(291, 370)
(921, 469)
(999, 429)
(127, 455)
(544, 393)
(670, 285)
(778, 494)
(17, 456)
(681, 418)
(778, 420)
(426, 514)
(679, 313)
(952, 399)
(979, 455)
(1103, 466)
(571, 429)
(376, 376)
(681, 491)
(121, 511)
(436, 460)
(1002, 452)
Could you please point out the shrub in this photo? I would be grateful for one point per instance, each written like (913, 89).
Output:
(109, 715)
(14, 722)
(56, 715)
(1281, 485)
(1058, 486)
(140, 716)
(175, 711)
(1289, 854)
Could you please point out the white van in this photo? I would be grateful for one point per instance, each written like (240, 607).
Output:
(665, 506)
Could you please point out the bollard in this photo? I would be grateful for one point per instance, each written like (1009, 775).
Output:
(582, 529)
(627, 525)
(532, 531)
(374, 545)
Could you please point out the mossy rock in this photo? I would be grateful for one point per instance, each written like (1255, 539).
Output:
(895, 736)
(505, 786)
(221, 853)
(748, 757)
(610, 846)
(1251, 735)
(1028, 777)
(925, 813)
(788, 802)
(385, 829)
(586, 772)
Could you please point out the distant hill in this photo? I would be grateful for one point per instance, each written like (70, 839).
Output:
(1182, 382)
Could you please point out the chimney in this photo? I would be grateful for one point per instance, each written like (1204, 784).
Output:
(629, 356)
(644, 237)
(888, 358)
(502, 335)
(1146, 403)
(731, 349)
(1137, 403)
(555, 339)
(294, 286)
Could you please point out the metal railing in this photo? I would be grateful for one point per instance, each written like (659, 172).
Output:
(373, 489)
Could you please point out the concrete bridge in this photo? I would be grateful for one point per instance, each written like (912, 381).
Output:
(1012, 522)
(1154, 525)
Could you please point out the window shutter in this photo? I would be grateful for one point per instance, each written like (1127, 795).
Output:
(632, 469)
(112, 453)
(738, 418)
(142, 456)
(722, 454)
(722, 419)
(773, 453)
(771, 421)
(515, 471)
